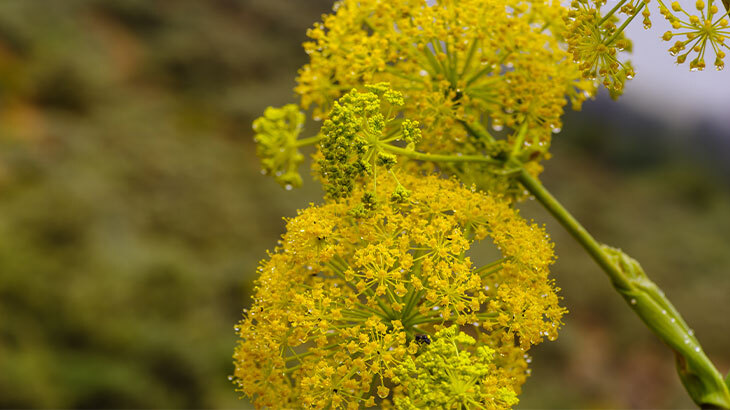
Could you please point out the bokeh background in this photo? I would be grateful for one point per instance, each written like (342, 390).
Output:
(133, 213)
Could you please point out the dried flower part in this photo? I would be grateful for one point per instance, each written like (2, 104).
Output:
(695, 31)
(345, 300)
(455, 62)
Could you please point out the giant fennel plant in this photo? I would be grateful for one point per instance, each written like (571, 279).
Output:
(436, 117)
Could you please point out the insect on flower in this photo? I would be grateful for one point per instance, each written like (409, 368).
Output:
(423, 339)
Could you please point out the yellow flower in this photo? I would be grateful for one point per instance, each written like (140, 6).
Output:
(696, 32)
(345, 300)
(446, 374)
(458, 64)
(595, 41)
(363, 138)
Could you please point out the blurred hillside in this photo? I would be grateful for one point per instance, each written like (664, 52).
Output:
(662, 197)
(133, 214)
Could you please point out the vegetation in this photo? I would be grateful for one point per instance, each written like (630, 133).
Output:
(133, 212)
(426, 81)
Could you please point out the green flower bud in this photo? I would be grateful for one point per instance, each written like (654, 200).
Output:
(276, 143)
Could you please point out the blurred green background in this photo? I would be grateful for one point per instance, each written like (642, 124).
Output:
(133, 213)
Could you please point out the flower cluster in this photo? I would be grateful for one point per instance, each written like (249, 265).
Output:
(446, 374)
(459, 64)
(595, 41)
(277, 146)
(708, 27)
(354, 134)
(364, 136)
(347, 303)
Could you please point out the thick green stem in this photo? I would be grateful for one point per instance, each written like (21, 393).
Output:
(701, 379)
(574, 227)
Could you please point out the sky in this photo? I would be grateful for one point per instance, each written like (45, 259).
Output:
(663, 88)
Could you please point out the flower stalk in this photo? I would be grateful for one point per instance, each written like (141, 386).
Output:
(701, 379)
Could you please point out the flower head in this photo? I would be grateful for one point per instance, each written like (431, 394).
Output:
(451, 371)
(456, 62)
(695, 32)
(595, 42)
(276, 137)
(352, 135)
(347, 299)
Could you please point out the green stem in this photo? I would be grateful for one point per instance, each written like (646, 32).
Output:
(428, 319)
(476, 129)
(610, 13)
(701, 379)
(493, 265)
(573, 226)
(469, 56)
(437, 157)
(308, 141)
(520, 139)
(626, 23)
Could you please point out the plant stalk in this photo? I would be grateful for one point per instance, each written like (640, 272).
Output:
(701, 379)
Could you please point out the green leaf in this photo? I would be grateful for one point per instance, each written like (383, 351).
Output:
(727, 4)
(727, 378)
